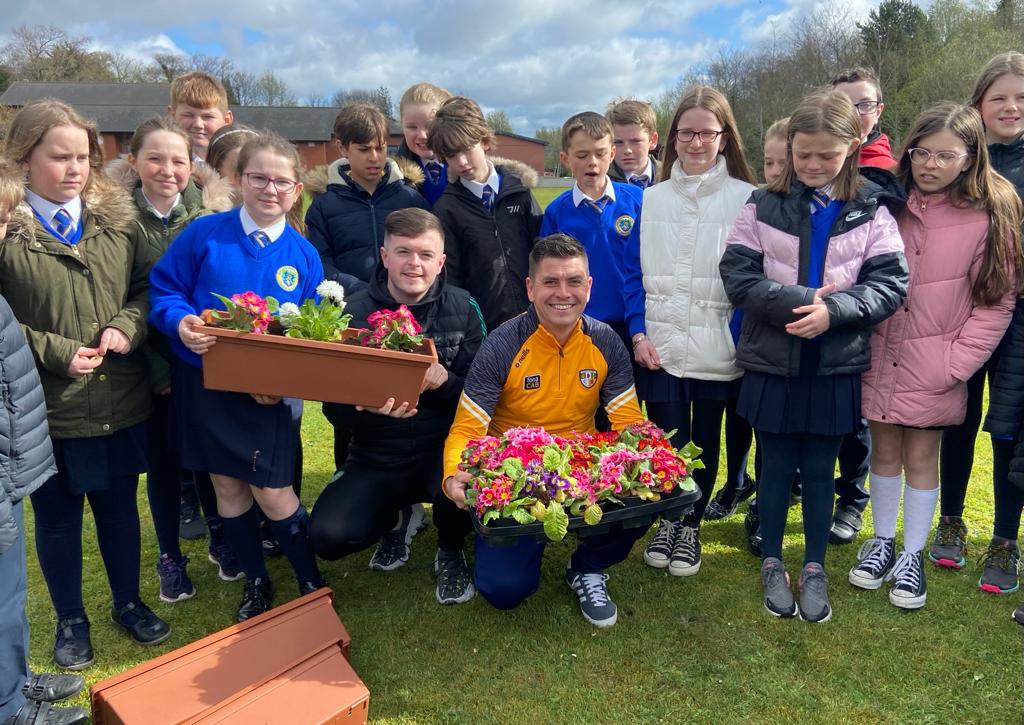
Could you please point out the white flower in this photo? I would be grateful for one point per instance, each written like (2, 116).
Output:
(332, 291)
(288, 309)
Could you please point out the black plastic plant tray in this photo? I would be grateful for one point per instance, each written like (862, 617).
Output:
(635, 513)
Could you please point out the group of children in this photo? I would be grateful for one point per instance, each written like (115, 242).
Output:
(856, 285)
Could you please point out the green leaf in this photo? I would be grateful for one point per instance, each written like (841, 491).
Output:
(523, 516)
(691, 450)
(552, 459)
(489, 516)
(556, 523)
(593, 515)
(272, 304)
(513, 468)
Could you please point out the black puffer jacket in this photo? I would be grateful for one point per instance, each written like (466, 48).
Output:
(26, 456)
(488, 252)
(880, 285)
(452, 319)
(1008, 160)
(346, 224)
(1005, 415)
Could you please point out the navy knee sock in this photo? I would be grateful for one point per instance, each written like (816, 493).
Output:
(243, 535)
(291, 535)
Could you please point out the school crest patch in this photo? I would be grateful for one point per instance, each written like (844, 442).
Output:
(531, 382)
(624, 225)
(287, 278)
(588, 377)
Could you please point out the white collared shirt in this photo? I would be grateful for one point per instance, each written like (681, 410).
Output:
(273, 232)
(578, 196)
(827, 190)
(48, 209)
(648, 172)
(153, 210)
(477, 188)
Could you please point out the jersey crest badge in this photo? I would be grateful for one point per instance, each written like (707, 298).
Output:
(624, 225)
(287, 278)
(588, 378)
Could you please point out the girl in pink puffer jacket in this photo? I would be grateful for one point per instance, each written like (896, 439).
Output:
(961, 231)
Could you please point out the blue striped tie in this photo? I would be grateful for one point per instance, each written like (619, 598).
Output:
(820, 199)
(643, 181)
(487, 197)
(598, 205)
(260, 238)
(62, 222)
(433, 171)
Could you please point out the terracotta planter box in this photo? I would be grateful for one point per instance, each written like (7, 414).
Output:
(331, 372)
(283, 667)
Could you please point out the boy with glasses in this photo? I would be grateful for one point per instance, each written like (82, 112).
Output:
(862, 86)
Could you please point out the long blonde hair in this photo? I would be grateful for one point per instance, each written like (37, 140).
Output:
(714, 102)
(826, 111)
(981, 187)
(30, 124)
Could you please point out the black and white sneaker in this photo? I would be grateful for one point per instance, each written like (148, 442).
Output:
(685, 560)
(876, 558)
(393, 549)
(909, 590)
(659, 550)
(595, 604)
(454, 583)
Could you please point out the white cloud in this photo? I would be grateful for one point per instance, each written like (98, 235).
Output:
(538, 60)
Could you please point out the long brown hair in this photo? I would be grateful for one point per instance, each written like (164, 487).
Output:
(826, 111)
(715, 102)
(1011, 62)
(978, 186)
(31, 123)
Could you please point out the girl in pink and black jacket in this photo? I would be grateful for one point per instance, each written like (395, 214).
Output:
(961, 228)
(814, 261)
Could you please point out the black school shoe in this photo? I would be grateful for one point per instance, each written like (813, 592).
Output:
(51, 687)
(310, 587)
(34, 712)
(257, 598)
(752, 527)
(722, 506)
(1018, 614)
(141, 623)
(846, 524)
(72, 648)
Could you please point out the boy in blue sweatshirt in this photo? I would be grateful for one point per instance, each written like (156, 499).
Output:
(605, 218)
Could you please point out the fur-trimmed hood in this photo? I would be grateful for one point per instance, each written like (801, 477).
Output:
(217, 193)
(108, 202)
(316, 180)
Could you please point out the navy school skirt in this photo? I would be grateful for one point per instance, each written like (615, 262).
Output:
(827, 405)
(230, 434)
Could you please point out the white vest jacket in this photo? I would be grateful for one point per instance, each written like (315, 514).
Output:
(683, 228)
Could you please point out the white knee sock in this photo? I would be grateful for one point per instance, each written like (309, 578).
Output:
(885, 503)
(918, 510)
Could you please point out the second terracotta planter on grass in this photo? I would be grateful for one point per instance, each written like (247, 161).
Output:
(331, 372)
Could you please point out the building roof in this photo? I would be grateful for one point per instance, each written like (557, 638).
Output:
(121, 107)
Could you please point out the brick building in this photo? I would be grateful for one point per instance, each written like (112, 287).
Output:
(118, 108)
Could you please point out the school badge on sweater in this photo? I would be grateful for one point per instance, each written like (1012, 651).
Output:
(287, 277)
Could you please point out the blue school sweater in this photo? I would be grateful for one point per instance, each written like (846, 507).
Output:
(606, 237)
(213, 254)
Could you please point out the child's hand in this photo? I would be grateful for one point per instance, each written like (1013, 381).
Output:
(437, 375)
(86, 360)
(816, 319)
(647, 355)
(197, 342)
(266, 399)
(113, 340)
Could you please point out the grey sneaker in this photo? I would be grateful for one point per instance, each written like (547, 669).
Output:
(595, 604)
(949, 550)
(685, 560)
(1018, 614)
(454, 584)
(393, 549)
(778, 597)
(814, 604)
(875, 559)
(1001, 562)
(659, 550)
(909, 590)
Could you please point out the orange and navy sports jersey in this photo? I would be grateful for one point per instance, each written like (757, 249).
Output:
(522, 377)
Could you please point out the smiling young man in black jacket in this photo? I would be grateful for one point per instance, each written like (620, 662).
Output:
(395, 457)
(490, 217)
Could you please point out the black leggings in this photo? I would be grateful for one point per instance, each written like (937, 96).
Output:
(58, 521)
(361, 505)
(1008, 498)
(956, 452)
(701, 422)
(815, 457)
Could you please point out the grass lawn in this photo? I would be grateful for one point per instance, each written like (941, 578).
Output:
(700, 649)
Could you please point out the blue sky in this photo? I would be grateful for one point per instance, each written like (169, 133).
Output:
(538, 60)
